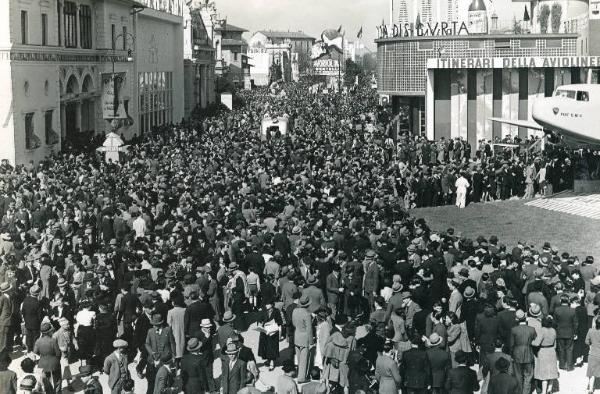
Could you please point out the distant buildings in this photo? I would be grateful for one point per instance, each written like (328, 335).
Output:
(285, 51)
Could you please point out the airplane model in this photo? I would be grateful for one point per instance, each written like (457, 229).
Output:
(572, 113)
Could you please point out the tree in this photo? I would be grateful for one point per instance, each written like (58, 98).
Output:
(556, 17)
(543, 18)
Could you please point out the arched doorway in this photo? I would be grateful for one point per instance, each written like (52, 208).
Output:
(72, 125)
(88, 105)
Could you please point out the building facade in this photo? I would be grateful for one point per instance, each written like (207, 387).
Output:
(59, 59)
(451, 78)
(299, 43)
(199, 60)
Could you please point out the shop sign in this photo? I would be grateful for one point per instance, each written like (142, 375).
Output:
(515, 62)
(427, 29)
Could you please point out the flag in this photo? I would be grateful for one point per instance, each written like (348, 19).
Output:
(526, 17)
(340, 29)
(359, 35)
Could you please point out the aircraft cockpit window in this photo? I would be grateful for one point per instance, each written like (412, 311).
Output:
(565, 93)
(583, 96)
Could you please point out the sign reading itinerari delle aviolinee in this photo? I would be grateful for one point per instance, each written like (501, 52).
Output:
(515, 62)
(428, 29)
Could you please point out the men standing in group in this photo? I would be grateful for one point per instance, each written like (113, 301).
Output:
(521, 338)
(303, 336)
(566, 332)
(115, 366)
(160, 344)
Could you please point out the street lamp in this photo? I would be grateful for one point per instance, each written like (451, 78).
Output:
(114, 76)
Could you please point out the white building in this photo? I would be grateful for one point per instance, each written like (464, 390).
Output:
(59, 57)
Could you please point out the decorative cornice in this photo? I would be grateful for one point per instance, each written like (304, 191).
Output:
(23, 56)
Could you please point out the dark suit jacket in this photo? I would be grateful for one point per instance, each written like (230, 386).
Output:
(6, 310)
(371, 278)
(129, 304)
(440, 363)
(333, 288)
(31, 311)
(461, 380)
(566, 322)
(161, 345)
(506, 321)
(520, 343)
(194, 313)
(503, 383)
(164, 380)
(232, 380)
(194, 373)
(417, 370)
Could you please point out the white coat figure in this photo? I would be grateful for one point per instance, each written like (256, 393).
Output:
(111, 147)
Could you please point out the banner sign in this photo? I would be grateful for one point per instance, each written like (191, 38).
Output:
(329, 67)
(428, 29)
(515, 62)
(112, 95)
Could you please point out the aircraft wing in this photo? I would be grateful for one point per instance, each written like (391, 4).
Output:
(520, 123)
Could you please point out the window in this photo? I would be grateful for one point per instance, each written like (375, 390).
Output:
(44, 29)
(70, 11)
(50, 134)
(85, 26)
(113, 35)
(235, 55)
(155, 100)
(583, 96)
(59, 13)
(124, 38)
(24, 27)
(565, 93)
(31, 140)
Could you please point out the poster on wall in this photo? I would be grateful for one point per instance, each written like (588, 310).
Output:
(112, 95)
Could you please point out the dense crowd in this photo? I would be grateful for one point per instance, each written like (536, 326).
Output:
(165, 261)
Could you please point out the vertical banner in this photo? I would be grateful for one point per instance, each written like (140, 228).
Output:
(112, 95)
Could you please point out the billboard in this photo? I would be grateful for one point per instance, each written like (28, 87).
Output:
(330, 67)
(112, 95)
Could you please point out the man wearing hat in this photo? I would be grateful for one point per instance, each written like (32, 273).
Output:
(160, 343)
(6, 312)
(503, 382)
(47, 348)
(233, 370)
(115, 366)
(165, 376)
(461, 379)
(314, 294)
(439, 360)
(303, 336)
(395, 301)
(194, 368)
(371, 277)
(334, 288)
(31, 312)
(521, 338)
(226, 329)
(90, 380)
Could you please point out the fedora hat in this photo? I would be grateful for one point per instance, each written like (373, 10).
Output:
(231, 348)
(35, 290)
(193, 344)
(62, 282)
(535, 310)
(86, 370)
(435, 339)
(469, 292)
(4, 287)
(46, 328)
(233, 266)
(206, 323)
(228, 316)
(119, 343)
(312, 280)
(304, 301)
(156, 319)
(28, 383)
(397, 287)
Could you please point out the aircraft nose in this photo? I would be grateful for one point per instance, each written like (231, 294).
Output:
(544, 109)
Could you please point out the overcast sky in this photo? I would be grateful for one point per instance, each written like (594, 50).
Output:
(310, 16)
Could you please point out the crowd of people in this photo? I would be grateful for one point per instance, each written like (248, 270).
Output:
(163, 263)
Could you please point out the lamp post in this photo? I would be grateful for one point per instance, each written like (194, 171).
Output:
(114, 77)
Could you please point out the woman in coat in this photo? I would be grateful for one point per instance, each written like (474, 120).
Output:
(47, 348)
(336, 359)
(592, 339)
(175, 319)
(458, 337)
(387, 372)
(268, 343)
(546, 368)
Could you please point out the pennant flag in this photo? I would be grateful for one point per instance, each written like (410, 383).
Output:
(526, 17)
(340, 29)
(359, 35)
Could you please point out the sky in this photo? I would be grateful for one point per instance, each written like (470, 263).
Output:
(310, 16)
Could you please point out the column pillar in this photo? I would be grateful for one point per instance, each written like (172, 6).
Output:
(429, 105)
(78, 115)
(63, 129)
